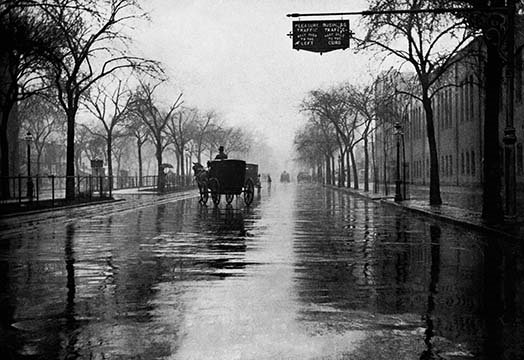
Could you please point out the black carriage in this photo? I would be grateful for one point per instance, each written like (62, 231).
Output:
(230, 178)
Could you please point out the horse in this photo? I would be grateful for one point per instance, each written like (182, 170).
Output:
(201, 177)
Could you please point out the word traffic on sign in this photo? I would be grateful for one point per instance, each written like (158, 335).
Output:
(321, 36)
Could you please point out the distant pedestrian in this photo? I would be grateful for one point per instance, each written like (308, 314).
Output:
(221, 154)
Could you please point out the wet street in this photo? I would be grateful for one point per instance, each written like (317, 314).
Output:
(304, 273)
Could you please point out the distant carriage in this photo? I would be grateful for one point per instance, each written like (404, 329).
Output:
(226, 177)
(284, 177)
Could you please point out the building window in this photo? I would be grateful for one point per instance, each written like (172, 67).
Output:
(520, 160)
(473, 165)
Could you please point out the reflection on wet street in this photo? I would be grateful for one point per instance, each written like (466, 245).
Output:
(304, 273)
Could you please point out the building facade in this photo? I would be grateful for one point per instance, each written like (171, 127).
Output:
(458, 109)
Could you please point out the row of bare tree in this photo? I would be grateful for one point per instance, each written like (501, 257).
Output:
(430, 37)
(72, 53)
(340, 122)
(124, 119)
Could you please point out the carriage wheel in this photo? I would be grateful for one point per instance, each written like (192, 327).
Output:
(249, 192)
(214, 187)
(229, 198)
(204, 194)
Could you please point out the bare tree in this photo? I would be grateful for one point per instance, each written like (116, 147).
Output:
(94, 40)
(204, 125)
(431, 43)
(110, 107)
(43, 119)
(181, 128)
(332, 105)
(315, 145)
(139, 130)
(147, 108)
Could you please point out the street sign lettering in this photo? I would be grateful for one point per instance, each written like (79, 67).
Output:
(321, 36)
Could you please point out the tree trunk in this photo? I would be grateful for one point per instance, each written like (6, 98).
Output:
(348, 170)
(385, 166)
(366, 163)
(354, 166)
(182, 162)
(177, 158)
(110, 163)
(140, 165)
(160, 170)
(39, 152)
(491, 198)
(70, 155)
(333, 170)
(341, 170)
(374, 166)
(328, 169)
(434, 179)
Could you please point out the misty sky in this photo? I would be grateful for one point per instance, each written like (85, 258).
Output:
(234, 56)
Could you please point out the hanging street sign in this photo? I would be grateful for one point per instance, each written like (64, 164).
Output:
(321, 36)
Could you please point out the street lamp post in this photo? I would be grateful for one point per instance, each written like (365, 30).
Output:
(30, 186)
(398, 181)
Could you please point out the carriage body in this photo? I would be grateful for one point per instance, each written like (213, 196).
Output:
(229, 177)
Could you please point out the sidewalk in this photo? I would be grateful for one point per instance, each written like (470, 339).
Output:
(459, 207)
(137, 195)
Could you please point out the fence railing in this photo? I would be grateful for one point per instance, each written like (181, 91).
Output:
(50, 187)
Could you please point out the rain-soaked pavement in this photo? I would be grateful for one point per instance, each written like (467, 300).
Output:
(305, 273)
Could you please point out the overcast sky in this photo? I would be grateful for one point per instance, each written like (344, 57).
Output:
(234, 56)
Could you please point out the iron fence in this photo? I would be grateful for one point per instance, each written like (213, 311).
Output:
(50, 187)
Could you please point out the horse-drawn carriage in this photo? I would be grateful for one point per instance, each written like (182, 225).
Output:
(226, 177)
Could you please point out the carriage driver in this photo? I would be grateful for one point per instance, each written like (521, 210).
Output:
(221, 154)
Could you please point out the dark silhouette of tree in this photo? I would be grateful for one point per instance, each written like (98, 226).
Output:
(26, 37)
